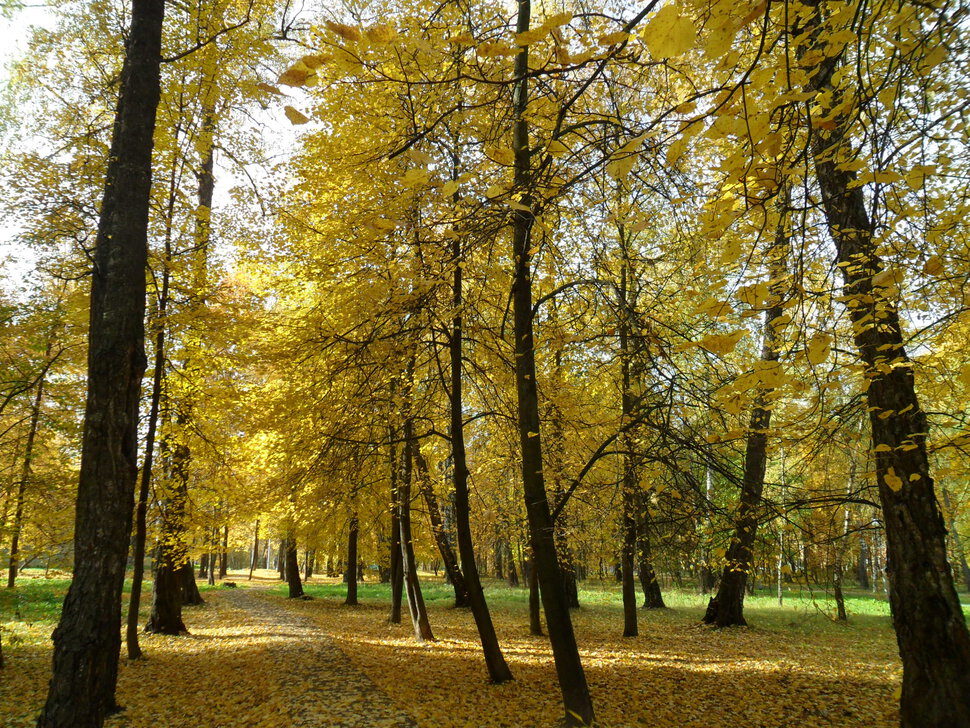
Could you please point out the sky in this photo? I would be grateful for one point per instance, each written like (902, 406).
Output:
(15, 261)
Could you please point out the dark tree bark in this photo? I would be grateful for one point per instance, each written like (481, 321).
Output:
(310, 557)
(629, 484)
(931, 630)
(141, 506)
(957, 543)
(25, 473)
(281, 559)
(350, 575)
(224, 553)
(569, 669)
(412, 587)
(535, 611)
(862, 569)
(556, 458)
(204, 558)
(726, 607)
(171, 552)
(166, 614)
(292, 567)
(397, 571)
(87, 641)
(191, 597)
(495, 664)
(252, 563)
(513, 574)
(213, 560)
(448, 557)
(652, 596)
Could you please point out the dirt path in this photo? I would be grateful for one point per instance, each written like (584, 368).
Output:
(249, 662)
(334, 689)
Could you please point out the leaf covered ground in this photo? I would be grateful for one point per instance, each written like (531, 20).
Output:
(794, 668)
(255, 658)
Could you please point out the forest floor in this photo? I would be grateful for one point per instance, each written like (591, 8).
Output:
(254, 658)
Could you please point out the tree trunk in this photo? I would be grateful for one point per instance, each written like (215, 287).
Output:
(535, 613)
(397, 571)
(448, 557)
(310, 557)
(281, 558)
(87, 641)
(350, 575)
(292, 567)
(726, 608)
(412, 587)
(141, 507)
(171, 551)
(862, 570)
(955, 536)
(252, 563)
(652, 596)
(495, 664)
(166, 613)
(629, 484)
(837, 590)
(569, 669)
(191, 597)
(224, 554)
(25, 472)
(930, 627)
(513, 574)
(556, 455)
(213, 558)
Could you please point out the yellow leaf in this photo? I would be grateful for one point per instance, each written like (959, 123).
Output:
(268, 89)
(415, 177)
(721, 343)
(315, 61)
(295, 76)
(620, 168)
(556, 148)
(613, 38)
(713, 307)
(769, 374)
(894, 482)
(887, 176)
(381, 34)
(347, 32)
(675, 150)
(531, 36)
(934, 266)
(818, 349)
(296, 118)
(554, 21)
(669, 33)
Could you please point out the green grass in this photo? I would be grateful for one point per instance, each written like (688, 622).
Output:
(801, 609)
(33, 600)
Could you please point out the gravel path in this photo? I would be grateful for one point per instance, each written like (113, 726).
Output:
(330, 691)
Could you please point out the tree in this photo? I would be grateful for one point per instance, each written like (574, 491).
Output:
(930, 627)
(87, 639)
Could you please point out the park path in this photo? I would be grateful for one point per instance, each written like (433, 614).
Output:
(250, 660)
(331, 691)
